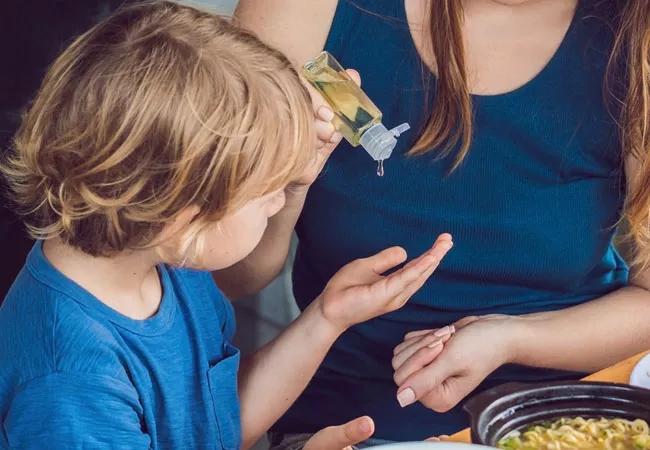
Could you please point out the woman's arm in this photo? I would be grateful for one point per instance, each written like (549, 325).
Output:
(272, 379)
(299, 29)
(582, 338)
(593, 335)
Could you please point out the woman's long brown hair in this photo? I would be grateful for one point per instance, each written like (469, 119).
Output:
(627, 87)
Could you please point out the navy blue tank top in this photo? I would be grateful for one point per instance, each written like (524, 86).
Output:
(532, 209)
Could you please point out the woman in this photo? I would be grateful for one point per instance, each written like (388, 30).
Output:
(518, 155)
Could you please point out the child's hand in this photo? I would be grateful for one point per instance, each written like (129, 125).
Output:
(359, 292)
(440, 379)
(327, 138)
(342, 437)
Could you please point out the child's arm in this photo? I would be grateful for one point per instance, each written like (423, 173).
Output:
(75, 410)
(271, 379)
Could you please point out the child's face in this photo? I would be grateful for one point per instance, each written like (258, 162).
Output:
(234, 237)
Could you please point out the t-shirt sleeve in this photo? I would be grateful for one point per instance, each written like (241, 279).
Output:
(75, 411)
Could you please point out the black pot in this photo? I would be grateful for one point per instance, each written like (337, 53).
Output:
(496, 412)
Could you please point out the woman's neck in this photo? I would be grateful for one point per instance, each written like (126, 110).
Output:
(127, 282)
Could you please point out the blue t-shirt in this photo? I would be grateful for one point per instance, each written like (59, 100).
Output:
(76, 374)
(532, 209)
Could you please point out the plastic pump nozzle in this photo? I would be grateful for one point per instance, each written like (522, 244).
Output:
(379, 142)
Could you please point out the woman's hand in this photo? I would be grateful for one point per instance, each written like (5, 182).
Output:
(439, 378)
(421, 347)
(327, 138)
(359, 292)
(342, 437)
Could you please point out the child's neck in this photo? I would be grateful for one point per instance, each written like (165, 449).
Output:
(127, 282)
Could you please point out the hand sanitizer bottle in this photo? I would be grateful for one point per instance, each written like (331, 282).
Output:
(355, 116)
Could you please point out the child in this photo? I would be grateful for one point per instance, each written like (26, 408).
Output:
(158, 146)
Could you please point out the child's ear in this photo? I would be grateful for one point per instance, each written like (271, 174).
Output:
(178, 223)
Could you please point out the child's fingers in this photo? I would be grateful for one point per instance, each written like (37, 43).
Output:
(364, 272)
(405, 353)
(384, 260)
(342, 436)
(433, 259)
(443, 238)
(440, 248)
(394, 286)
(395, 289)
(441, 438)
(420, 358)
(391, 257)
(400, 281)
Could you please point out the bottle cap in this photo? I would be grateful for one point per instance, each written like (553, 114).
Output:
(379, 142)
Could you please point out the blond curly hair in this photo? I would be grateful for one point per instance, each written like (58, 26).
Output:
(157, 108)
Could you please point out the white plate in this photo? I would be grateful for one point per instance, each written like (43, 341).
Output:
(431, 446)
(641, 373)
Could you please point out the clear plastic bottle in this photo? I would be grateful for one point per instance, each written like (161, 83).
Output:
(356, 117)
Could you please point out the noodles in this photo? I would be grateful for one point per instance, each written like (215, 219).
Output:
(580, 434)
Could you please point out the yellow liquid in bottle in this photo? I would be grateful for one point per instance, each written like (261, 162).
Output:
(354, 112)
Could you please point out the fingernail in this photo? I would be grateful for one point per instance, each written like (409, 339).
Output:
(406, 397)
(336, 137)
(444, 331)
(435, 343)
(429, 339)
(325, 113)
(452, 329)
(364, 426)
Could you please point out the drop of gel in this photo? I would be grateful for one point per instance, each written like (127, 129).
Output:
(380, 168)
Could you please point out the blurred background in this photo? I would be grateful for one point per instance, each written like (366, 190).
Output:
(33, 32)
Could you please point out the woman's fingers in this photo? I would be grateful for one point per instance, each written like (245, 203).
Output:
(420, 358)
(417, 333)
(415, 336)
(466, 321)
(354, 75)
(428, 341)
(325, 131)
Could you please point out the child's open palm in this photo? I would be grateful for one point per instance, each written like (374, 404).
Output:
(359, 291)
